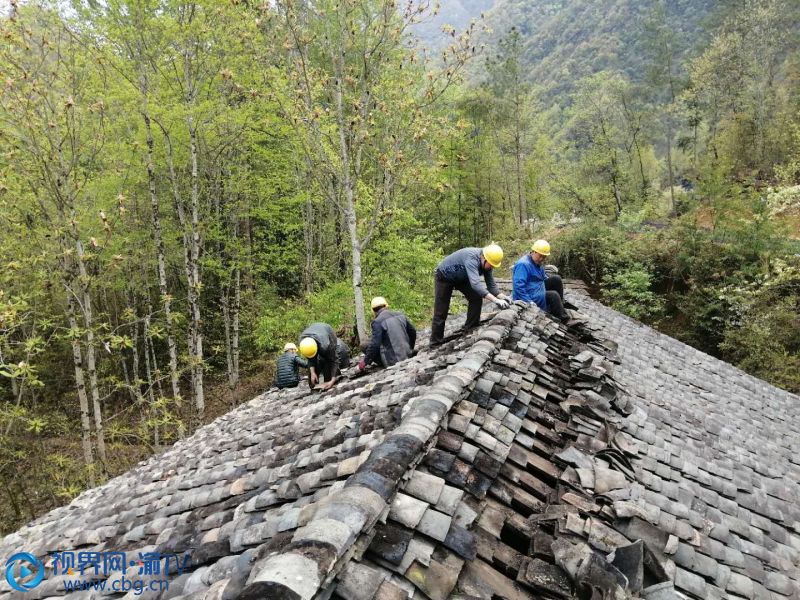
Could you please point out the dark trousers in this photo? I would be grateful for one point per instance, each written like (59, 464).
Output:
(325, 371)
(555, 297)
(442, 294)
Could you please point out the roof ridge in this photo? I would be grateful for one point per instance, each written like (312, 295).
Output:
(321, 548)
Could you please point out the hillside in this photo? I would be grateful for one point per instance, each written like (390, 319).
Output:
(456, 14)
(565, 41)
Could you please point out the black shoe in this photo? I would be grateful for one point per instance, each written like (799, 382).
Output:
(570, 305)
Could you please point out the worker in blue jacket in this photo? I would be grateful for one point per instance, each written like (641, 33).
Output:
(532, 284)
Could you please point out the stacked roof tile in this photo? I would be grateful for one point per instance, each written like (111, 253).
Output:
(523, 460)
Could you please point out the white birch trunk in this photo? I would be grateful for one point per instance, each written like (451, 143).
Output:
(158, 240)
(91, 362)
(80, 385)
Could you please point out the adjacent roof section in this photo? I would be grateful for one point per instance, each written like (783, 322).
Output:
(523, 460)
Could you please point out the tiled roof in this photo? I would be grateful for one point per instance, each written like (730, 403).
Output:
(524, 460)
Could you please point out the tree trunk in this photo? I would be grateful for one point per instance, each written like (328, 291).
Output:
(523, 205)
(158, 240)
(237, 304)
(195, 283)
(355, 244)
(137, 387)
(673, 210)
(308, 238)
(80, 385)
(188, 238)
(91, 362)
(230, 317)
(126, 374)
(149, 366)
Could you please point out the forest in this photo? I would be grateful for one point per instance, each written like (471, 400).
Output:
(186, 184)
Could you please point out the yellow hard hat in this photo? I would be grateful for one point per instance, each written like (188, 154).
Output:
(493, 254)
(378, 301)
(308, 347)
(541, 247)
(289, 346)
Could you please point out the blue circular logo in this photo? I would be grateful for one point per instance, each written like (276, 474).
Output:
(24, 571)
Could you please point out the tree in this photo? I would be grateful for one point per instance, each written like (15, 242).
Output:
(603, 138)
(512, 94)
(734, 85)
(357, 98)
(51, 113)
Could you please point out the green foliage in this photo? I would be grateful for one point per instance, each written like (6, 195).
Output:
(402, 271)
(630, 292)
(784, 200)
(591, 252)
(282, 322)
(400, 266)
(763, 333)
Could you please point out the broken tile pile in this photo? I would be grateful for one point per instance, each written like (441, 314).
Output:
(525, 460)
(720, 460)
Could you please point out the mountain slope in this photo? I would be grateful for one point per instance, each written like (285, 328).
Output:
(568, 40)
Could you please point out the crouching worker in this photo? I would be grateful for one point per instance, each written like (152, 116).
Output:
(287, 372)
(393, 336)
(469, 271)
(319, 344)
(533, 284)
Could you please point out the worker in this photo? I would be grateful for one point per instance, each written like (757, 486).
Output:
(469, 271)
(343, 352)
(393, 336)
(287, 372)
(533, 284)
(320, 346)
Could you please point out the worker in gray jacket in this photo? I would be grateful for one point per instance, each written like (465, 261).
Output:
(320, 346)
(393, 336)
(469, 271)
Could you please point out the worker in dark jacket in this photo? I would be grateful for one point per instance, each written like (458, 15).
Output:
(393, 336)
(469, 271)
(287, 372)
(343, 352)
(319, 344)
(533, 284)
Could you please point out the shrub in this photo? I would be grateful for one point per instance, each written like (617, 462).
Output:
(397, 266)
(629, 291)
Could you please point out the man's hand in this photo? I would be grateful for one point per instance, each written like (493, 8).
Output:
(503, 304)
(326, 386)
(313, 378)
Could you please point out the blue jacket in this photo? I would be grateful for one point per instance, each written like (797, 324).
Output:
(529, 282)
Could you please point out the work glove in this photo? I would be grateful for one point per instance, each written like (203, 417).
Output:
(362, 364)
(503, 304)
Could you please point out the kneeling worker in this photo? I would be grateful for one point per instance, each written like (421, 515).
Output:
(287, 371)
(533, 284)
(393, 336)
(469, 271)
(319, 344)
